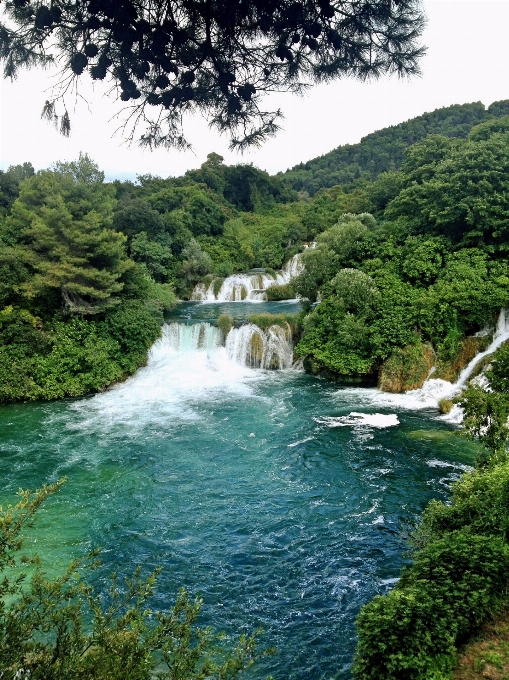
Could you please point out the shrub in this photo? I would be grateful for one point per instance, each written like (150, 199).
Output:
(225, 323)
(278, 292)
(63, 630)
(445, 405)
(411, 634)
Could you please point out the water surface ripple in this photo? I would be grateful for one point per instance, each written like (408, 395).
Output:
(240, 484)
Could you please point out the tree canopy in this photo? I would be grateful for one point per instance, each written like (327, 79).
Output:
(165, 59)
(62, 221)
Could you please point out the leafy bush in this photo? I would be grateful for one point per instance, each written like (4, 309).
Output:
(74, 357)
(225, 323)
(454, 584)
(277, 292)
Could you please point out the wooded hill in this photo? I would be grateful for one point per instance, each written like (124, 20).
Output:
(383, 150)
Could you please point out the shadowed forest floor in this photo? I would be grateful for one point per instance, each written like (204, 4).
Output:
(487, 656)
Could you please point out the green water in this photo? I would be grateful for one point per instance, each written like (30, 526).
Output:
(238, 482)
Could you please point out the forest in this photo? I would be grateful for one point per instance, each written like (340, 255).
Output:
(408, 262)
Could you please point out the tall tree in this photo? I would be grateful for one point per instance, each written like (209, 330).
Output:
(63, 219)
(169, 57)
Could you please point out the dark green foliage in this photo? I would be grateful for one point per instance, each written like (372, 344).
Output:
(10, 182)
(486, 411)
(154, 257)
(61, 629)
(74, 357)
(245, 187)
(62, 220)
(459, 191)
(343, 245)
(383, 151)
(134, 215)
(337, 334)
(454, 584)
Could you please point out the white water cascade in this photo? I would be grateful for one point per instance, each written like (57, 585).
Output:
(248, 287)
(435, 389)
(183, 337)
(248, 346)
(251, 346)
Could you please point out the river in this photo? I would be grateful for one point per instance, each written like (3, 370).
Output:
(256, 489)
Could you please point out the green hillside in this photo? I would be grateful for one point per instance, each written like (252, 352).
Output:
(384, 150)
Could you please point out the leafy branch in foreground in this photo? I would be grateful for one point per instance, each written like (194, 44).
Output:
(166, 59)
(61, 630)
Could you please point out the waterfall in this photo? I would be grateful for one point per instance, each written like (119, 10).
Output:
(248, 287)
(500, 336)
(251, 346)
(247, 346)
(182, 337)
(435, 389)
(292, 268)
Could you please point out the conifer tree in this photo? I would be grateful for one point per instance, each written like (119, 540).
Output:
(166, 58)
(63, 220)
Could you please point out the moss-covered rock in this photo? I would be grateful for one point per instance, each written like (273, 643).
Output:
(225, 323)
(255, 351)
(468, 348)
(218, 282)
(407, 368)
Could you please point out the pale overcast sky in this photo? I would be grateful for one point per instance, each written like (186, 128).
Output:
(467, 61)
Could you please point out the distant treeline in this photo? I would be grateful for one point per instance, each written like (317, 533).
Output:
(384, 150)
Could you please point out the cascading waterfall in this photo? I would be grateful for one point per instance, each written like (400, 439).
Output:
(435, 389)
(248, 346)
(500, 336)
(248, 287)
(183, 337)
(251, 346)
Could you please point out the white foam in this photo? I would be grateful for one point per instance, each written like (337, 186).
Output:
(171, 387)
(248, 287)
(377, 420)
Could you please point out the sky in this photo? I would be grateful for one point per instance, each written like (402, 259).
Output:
(467, 61)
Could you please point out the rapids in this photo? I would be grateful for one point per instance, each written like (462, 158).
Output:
(275, 495)
(250, 286)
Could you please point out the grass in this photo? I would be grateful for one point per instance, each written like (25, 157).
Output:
(225, 323)
(264, 321)
(445, 405)
(486, 657)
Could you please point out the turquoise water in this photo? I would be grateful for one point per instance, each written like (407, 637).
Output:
(255, 489)
(240, 311)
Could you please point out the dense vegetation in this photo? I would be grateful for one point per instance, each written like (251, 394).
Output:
(459, 574)
(431, 268)
(383, 151)
(87, 268)
(410, 261)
